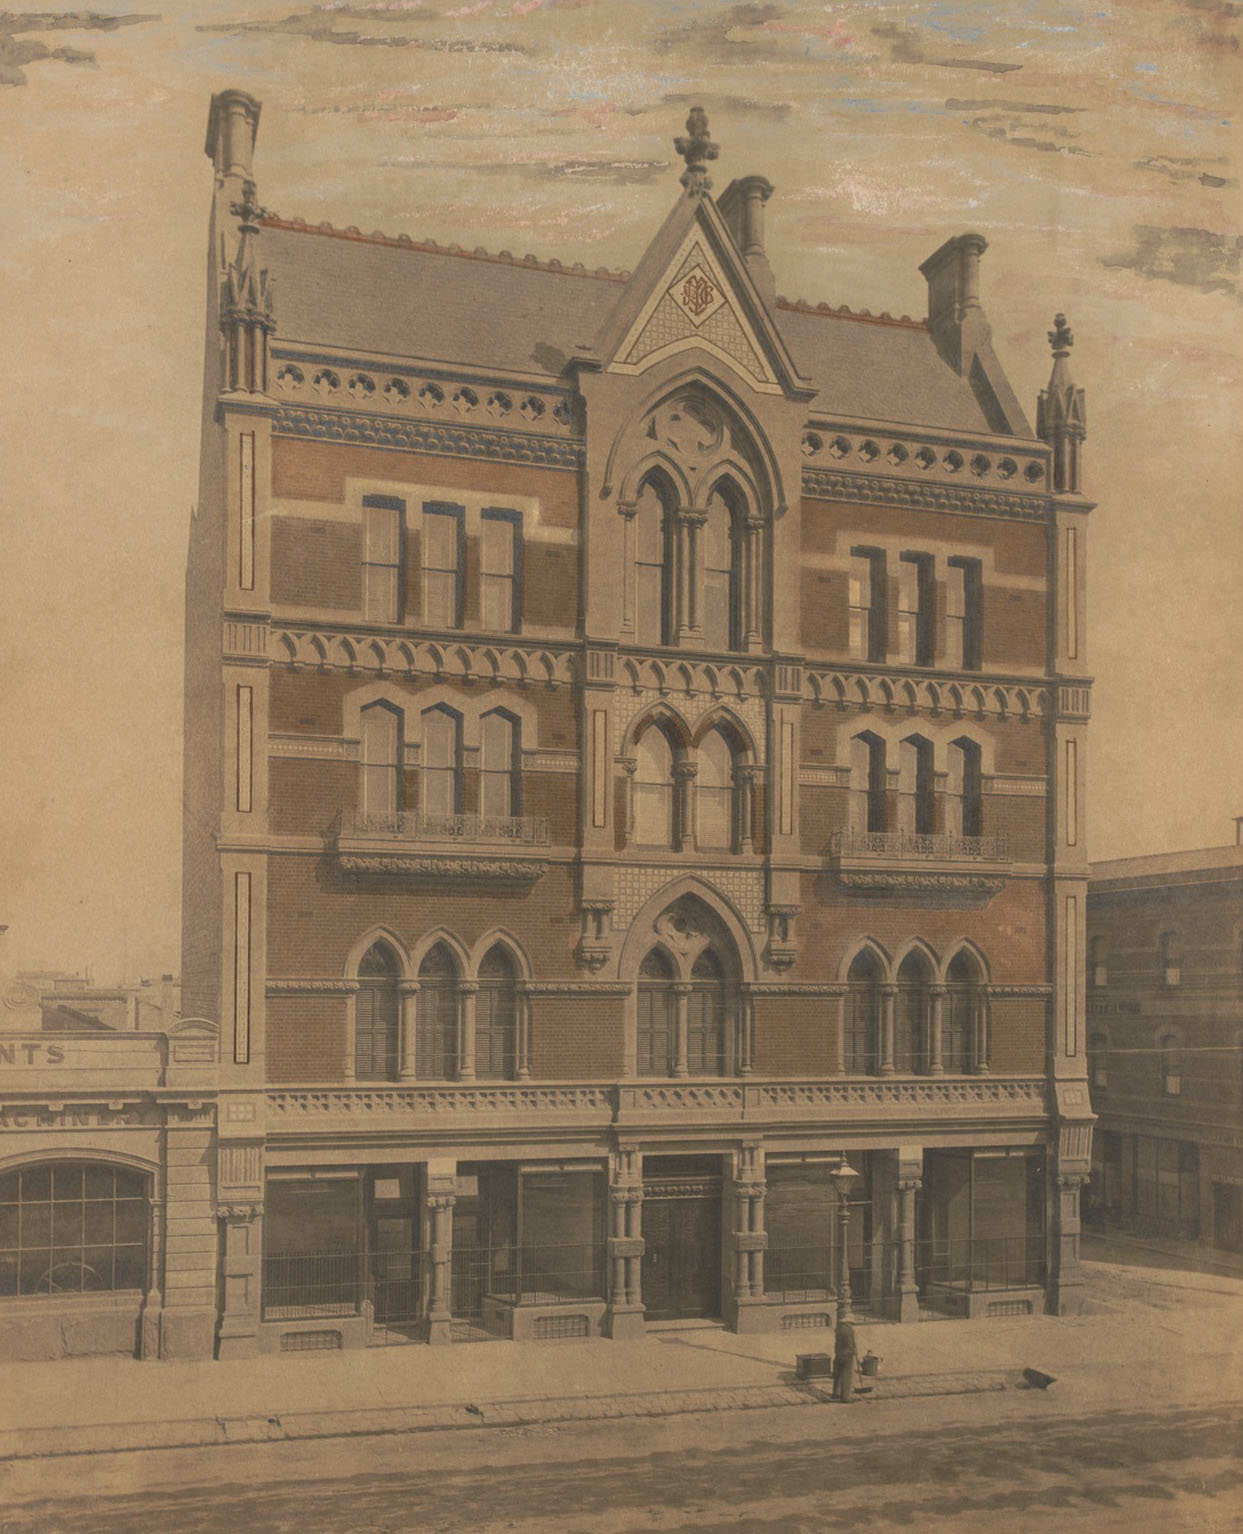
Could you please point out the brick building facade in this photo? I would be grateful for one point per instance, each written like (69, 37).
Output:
(1165, 1044)
(634, 759)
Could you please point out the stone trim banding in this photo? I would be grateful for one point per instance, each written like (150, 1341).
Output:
(830, 485)
(430, 866)
(428, 437)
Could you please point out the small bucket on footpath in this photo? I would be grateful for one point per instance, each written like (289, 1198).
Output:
(869, 1366)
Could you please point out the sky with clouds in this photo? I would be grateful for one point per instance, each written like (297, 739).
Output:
(1093, 144)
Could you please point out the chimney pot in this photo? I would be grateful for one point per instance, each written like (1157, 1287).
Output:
(232, 125)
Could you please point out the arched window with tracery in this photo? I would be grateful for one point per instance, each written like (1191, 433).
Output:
(436, 1032)
(707, 1017)
(655, 507)
(723, 539)
(861, 1051)
(496, 1017)
(380, 795)
(654, 809)
(377, 1015)
(657, 1015)
(441, 774)
(716, 793)
(911, 1014)
(962, 1019)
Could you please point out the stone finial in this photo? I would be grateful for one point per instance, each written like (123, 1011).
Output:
(696, 148)
(1061, 337)
(248, 210)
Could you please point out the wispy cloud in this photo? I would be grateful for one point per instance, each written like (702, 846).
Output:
(1191, 168)
(747, 106)
(908, 45)
(17, 49)
(1191, 258)
(1015, 127)
(319, 25)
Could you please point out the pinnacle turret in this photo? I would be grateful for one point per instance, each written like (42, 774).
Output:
(1061, 416)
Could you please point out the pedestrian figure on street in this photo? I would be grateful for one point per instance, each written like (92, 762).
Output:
(845, 1362)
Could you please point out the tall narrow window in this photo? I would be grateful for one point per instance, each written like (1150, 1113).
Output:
(382, 528)
(1098, 968)
(500, 767)
(862, 1041)
(917, 786)
(443, 551)
(1098, 1057)
(496, 1017)
(868, 604)
(916, 608)
(1171, 961)
(657, 1022)
(966, 787)
(714, 794)
(963, 1000)
(869, 779)
(501, 569)
(910, 1042)
(653, 789)
(1171, 1066)
(441, 775)
(381, 727)
(721, 546)
(653, 564)
(377, 1010)
(707, 1017)
(436, 1030)
(963, 613)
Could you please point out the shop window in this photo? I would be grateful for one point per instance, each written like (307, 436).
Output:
(653, 562)
(657, 1016)
(500, 766)
(377, 1015)
(722, 550)
(653, 789)
(500, 574)
(715, 794)
(916, 609)
(561, 1234)
(801, 1217)
(436, 1029)
(312, 1245)
(868, 604)
(863, 1014)
(910, 1034)
(382, 558)
(963, 613)
(496, 1017)
(381, 765)
(73, 1227)
(444, 551)
(441, 772)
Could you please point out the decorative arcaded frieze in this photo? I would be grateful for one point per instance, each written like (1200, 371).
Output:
(939, 1093)
(920, 461)
(919, 881)
(308, 987)
(432, 866)
(444, 660)
(286, 1107)
(895, 689)
(425, 436)
(884, 490)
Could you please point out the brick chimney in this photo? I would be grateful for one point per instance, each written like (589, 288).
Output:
(955, 316)
(741, 205)
(232, 125)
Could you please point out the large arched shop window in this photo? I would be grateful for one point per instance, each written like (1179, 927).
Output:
(653, 789)
(654, 605)
(910, 1033)
(707, 1018)
(963, 1000)
(436, 1032)
(863, 1008)
(377, 1015)
(722, 576)
(657, 1016)
(496, 1017)
(73, 1227)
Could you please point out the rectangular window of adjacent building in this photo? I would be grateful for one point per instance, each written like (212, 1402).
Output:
(916, 608)
(501, 570)
(382, 540)
(444, 550)
(964, 596)
(867, 604)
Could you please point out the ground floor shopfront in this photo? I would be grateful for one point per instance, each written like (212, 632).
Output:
(1164, 1185)
(760, 1238)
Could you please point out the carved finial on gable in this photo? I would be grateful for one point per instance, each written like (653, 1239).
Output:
(696, 148)
(1061, 337)
(1061, 415)
(248, 210)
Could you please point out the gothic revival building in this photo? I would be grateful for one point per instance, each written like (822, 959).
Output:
(634, 755)
(1165, 1044)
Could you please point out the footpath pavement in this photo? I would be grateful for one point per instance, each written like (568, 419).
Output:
(1150, 1331)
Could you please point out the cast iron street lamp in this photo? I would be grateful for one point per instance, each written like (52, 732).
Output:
(844, 1178)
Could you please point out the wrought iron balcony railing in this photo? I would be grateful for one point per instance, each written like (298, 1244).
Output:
(934, 846)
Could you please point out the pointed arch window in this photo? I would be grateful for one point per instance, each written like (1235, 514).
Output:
(716, 810)
(707, 1017)
(496, 1017)
(377, 1015)
(500, 766)
(870, 781)
(441, 774)
(962, 1019)
(654, 511)
(917, 786)
(722, 575)
(966, 786)
(911, 1014)
(657, 1026)
(381, 750)
(863, 1015)
(653, 789)
(436, 1032)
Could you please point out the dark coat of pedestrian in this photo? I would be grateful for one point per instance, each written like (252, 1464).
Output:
(845, 1361)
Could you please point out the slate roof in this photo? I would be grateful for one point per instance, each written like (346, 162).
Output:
(398, 298)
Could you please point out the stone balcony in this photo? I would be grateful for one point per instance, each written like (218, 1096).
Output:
(897, 861)
(474, 1108)
(487, 848)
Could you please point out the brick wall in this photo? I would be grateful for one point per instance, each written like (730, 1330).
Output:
(795, 1035)
(316, 564)
(576, 1038)
(1018, 1029)
(306, 1038)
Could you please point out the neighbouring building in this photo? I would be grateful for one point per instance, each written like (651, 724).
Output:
(1165, 1044)
(634, 845)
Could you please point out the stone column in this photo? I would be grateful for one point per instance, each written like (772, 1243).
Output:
(747, 774)
(682, 995)
(406, 1070)
(888, 1001)
(238, 1336)
(349, 989)
(750, 1239)
(936, 1014)
(629, 766)
(908, 1292)
(626, 510)
(980, 1050)
(624, 1318)
(440, 1202)
(468, 991)
(684, 774)
(522, 1030)
(753, 625)
(694, 521)
(746, 1032)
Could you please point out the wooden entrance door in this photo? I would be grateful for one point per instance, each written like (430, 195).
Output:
(682, 1250)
